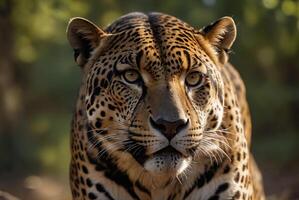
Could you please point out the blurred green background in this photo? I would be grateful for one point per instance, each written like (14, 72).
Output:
(39, 82)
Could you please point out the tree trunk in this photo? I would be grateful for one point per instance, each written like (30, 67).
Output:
(10, 91)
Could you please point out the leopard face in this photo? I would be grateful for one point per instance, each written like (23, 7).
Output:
(153, 89)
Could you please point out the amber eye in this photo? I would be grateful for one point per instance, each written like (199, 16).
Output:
(131, 76)
(194, 79)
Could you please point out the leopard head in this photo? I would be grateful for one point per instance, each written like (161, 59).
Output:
(152, 88)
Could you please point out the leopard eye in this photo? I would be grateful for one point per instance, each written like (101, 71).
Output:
(194, 79)
(131, 76)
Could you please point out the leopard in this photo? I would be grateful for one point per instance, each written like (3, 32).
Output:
(161, 112)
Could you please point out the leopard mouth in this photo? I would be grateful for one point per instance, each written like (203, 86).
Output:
(169, 150)
(167, 161)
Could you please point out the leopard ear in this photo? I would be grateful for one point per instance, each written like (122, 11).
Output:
(84, 37)
(221, 34)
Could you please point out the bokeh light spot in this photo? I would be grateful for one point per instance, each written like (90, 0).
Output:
(270, 4)
(288, 7)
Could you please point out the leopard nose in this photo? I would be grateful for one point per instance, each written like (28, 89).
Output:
(167, 128)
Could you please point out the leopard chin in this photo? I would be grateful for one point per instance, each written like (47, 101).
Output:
(167, 161)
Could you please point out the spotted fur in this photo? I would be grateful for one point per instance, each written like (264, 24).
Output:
(161, 114)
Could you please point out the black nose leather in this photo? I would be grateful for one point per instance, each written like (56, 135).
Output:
(169, 129)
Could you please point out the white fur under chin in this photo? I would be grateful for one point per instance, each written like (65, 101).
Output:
(167, 164)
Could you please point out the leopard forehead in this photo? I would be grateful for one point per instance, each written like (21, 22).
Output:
(157, 43)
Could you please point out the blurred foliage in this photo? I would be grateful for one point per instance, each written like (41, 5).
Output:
(266, 53)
